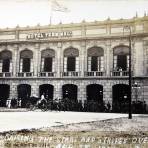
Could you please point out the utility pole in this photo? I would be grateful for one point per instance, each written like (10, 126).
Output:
(130, 74)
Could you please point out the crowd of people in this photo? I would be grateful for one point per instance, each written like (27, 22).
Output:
(58, 104)
(67, 104)
(138, 107)
(11, 103)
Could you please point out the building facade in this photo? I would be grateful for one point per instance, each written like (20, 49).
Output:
(84, 61)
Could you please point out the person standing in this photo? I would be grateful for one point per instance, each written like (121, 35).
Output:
(8, 103)
(19, 103)
(42, 97)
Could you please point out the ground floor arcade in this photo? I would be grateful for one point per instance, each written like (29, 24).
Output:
(114, 91)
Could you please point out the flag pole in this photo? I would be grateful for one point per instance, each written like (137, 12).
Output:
(50, 17)
(51, 12)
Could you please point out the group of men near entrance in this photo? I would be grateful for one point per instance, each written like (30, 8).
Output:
(17, 103)
(13, 103)
(64, 104)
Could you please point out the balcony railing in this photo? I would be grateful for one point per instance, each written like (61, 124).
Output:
(25, 74)
(119, 73)
(6, 74)
(94, 73)
(70, 74)
(114, 73)
(47, 74)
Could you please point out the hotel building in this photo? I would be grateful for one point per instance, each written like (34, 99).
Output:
(80, 61)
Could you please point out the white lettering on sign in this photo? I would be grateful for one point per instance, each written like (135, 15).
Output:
(49, 35)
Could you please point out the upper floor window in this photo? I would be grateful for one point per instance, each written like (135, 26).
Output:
(5, 61)
(26, 61)
(95, 59)
(121, 58)
(26, 65)
(47, 60)
(71, 59)
(71, 66)
(94, 63)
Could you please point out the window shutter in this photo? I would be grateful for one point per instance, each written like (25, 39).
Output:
(127, 61)
(102, 63)
(115, 62)
(31, 67)
(21, 65)
(10, 70)
(53, 65)
(77, 64)
(65, 64)
(89, 64)
(42, 64)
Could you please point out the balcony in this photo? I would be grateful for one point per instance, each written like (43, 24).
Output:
(25, 74)
(94, 73)
(70, 74)
(119, 73)
(47, 74)
(6, 74)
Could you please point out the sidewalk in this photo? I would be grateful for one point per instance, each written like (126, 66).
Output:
(5, 109)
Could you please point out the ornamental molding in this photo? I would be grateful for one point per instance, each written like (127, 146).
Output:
(71, 52)
(26, 54)
(5, 54)
(48, 53)
(95, 51)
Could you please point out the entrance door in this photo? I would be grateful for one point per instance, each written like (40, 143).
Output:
(4, 94)
(47, 91)
(70, 91)
(120, 97)
(95, 93)
(24, 92)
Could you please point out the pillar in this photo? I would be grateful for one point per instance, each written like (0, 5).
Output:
(138, 68)
(57, 90)
(15, 61)
(108, 59)
(37, 60)
(35, 89)
(58, 60)
(13, 90)
(82, 63)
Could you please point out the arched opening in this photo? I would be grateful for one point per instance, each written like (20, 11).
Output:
(47, 60)
(94, 93)
(95, 59)
(120, 98)
(5, 61)
(47, 91)
(4, 94)
(69, 91)
(71, 60)
(121, 58)
(26, 61)
(24, 92)
(94, 101)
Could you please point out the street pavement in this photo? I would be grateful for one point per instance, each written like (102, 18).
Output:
(22, 119)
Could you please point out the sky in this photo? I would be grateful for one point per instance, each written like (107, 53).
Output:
(33, 12)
